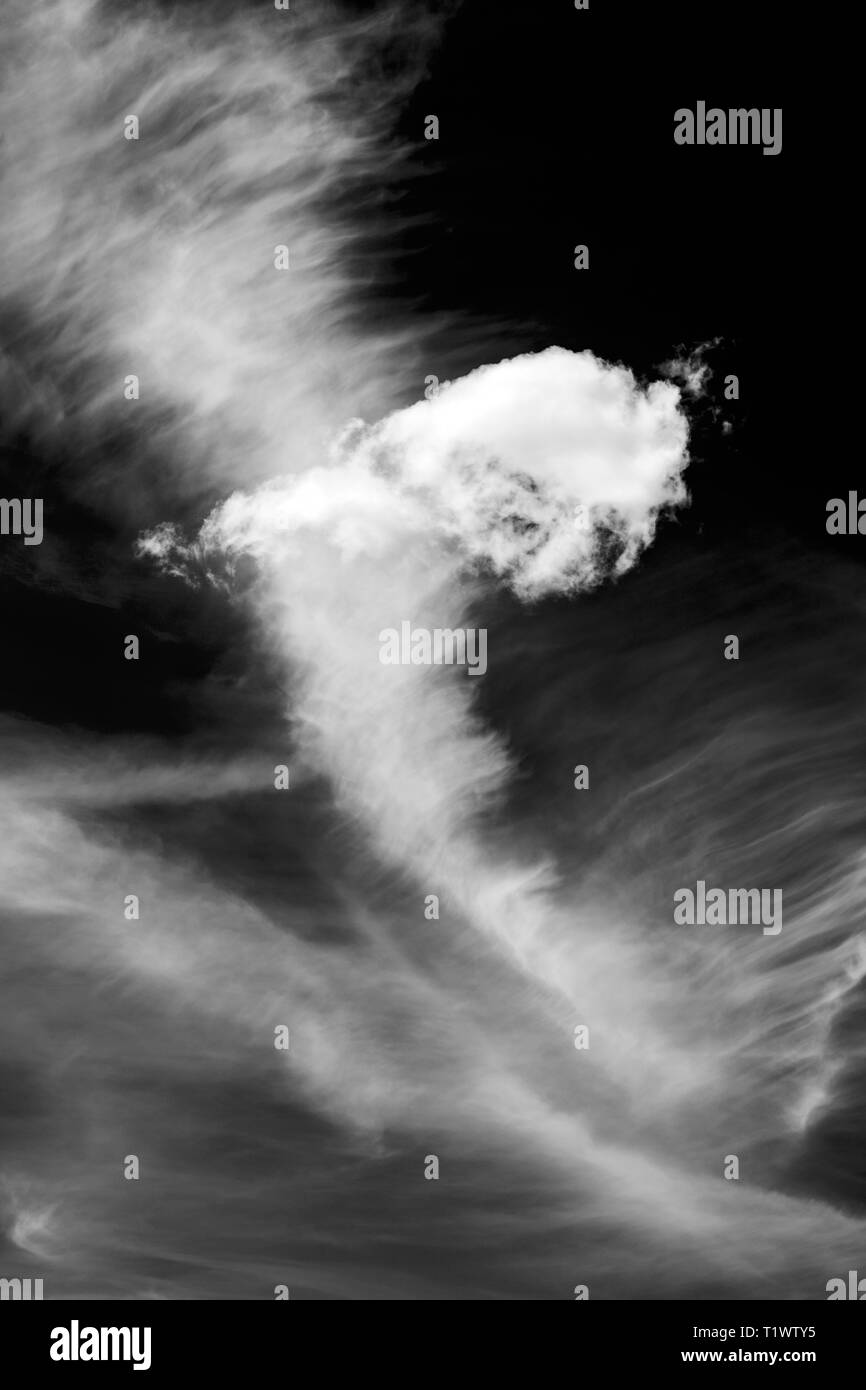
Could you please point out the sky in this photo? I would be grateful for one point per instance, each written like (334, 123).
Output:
(431, 416)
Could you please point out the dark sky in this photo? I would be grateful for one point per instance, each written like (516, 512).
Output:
(258, 908)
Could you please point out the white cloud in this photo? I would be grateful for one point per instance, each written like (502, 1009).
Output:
(492, 468)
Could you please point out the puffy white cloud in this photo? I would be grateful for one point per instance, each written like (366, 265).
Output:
(551, 469)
